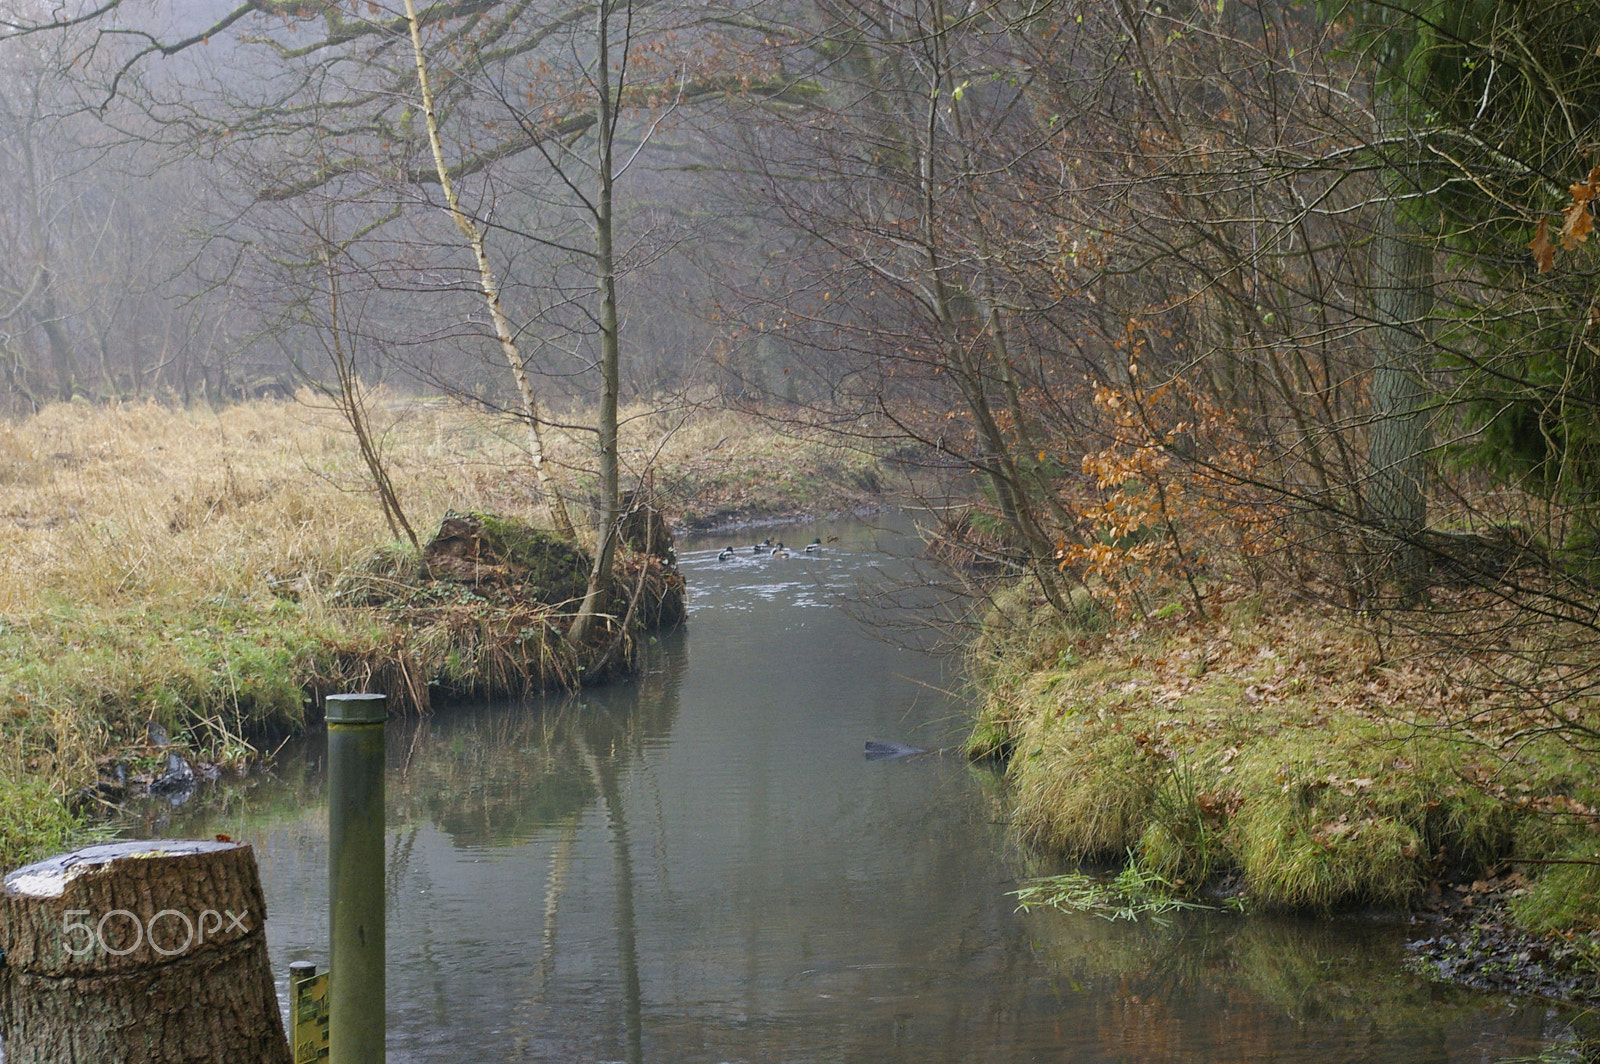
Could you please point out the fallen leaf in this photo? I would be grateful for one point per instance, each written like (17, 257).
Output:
(1585, 190)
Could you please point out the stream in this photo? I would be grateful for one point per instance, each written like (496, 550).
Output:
(702, 866)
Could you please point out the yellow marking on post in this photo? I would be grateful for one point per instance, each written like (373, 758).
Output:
(308, 1019)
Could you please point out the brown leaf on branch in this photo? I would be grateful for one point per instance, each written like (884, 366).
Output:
(1586, 190)
(1579, 221)
(1544, 252)
(1575, 230)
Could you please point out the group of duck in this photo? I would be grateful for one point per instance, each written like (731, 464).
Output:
(766, 546)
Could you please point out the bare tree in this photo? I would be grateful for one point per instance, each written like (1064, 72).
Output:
(473, 234)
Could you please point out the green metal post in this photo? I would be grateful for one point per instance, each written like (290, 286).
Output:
(355, 878)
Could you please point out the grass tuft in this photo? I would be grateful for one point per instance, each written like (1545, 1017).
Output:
(1134, 893)
(1565, 897)
(33, 822)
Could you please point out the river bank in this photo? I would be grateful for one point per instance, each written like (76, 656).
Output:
(201, 570)
(703, 865)
(1280, 752)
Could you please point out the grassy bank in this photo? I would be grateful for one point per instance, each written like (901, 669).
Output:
(1280, 748)
(195, 568)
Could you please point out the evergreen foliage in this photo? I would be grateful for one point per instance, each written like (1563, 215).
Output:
(1503, 100)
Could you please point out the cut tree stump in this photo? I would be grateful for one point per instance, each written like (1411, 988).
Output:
(138, 953)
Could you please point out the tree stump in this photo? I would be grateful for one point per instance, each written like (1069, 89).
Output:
(138, 953)
(644, 528)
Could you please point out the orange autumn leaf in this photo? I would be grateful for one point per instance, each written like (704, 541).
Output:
(1586, 190)
(1145, 518)
(1579, 221)
(1544, 252)
(1575, 230)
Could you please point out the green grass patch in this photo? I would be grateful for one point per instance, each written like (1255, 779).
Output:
(99, 674)
(33, 822)
(80, 681)
(1135, 893)
(1565, 896)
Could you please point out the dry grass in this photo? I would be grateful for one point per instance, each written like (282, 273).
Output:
(173, 564)
(718, 467)
(111, 503)
(121, 503)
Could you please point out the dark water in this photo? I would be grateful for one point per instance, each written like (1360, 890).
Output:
(702, 867)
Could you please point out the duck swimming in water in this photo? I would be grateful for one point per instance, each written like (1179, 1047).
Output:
(814, 546)
(780, 551)
(762, 547)
(726, 555)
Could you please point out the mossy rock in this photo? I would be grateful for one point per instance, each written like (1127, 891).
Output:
(483, 548)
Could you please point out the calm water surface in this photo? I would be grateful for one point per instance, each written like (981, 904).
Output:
(702, 867)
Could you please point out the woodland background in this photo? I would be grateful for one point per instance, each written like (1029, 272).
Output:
(1181, 297)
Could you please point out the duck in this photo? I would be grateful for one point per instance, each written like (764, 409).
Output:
(780, 551)
(814, 546)
(726, 555)
(762, 547)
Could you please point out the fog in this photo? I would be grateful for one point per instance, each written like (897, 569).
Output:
(927, 227)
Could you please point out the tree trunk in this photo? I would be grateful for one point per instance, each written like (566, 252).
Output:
(138, 953)
(598, 592)
(1402, 298)
(995, 462)
(46, 314)
(490, 288)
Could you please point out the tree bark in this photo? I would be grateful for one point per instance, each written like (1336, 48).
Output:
(1398, 442)
(490, 287)
(47, 315)
(595, 599)
(139, 953)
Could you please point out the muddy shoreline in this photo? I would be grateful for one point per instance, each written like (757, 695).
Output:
(1465, 933)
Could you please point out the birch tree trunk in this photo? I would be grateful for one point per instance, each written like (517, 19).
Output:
(489, 286)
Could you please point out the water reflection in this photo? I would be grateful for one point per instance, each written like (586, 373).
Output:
(1225, 989)
(501, 775)
(702, 866)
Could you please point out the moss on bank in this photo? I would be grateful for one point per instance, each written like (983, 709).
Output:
(218, 674)
(1270, 742)
(80, 682)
